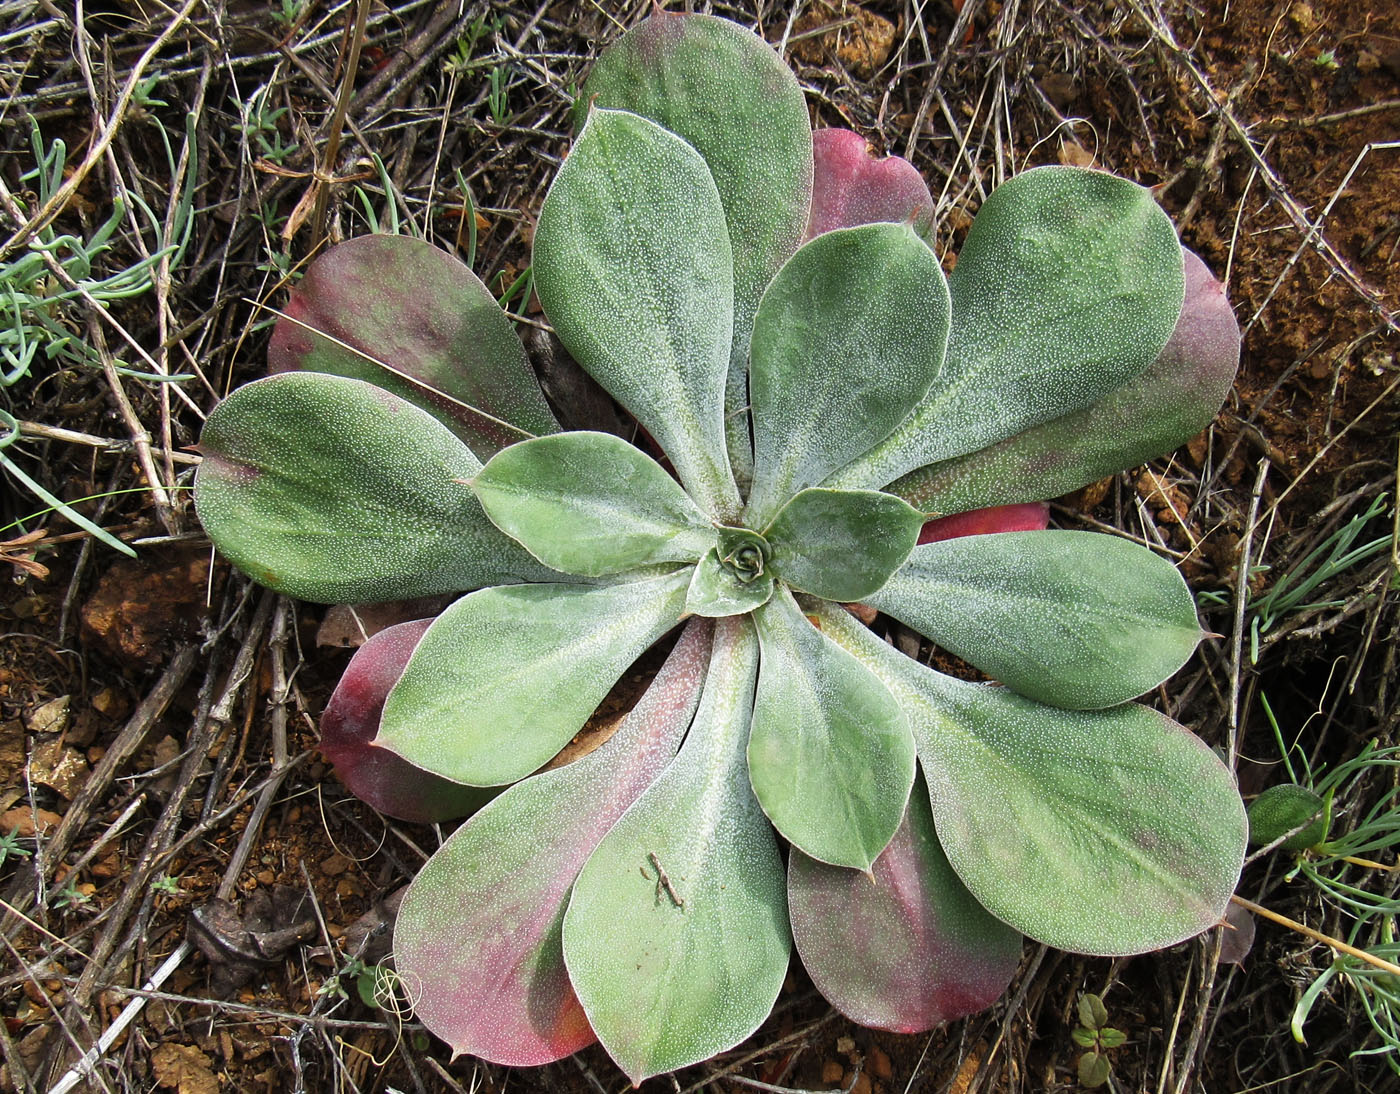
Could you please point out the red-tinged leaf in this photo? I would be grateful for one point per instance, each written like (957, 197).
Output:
(853, 186)
(1163, 408)
(478, 938)
(395, 301)
(351, 719)
(1236, 935)
(1029, 517)
(908, 950)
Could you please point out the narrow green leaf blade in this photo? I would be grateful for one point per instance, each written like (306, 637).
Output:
(842, 544)
(830, 757)
(1147, 417)
(676, 936)
(847, 339)
(410, 318)
(1107, 832)
(506, 676)
(715, 591)
(907, 950)
(632, 205)
(1074, 619)
(591, 504)
(479, 936)
(727, 93)
(1068, 286)
(333, 490)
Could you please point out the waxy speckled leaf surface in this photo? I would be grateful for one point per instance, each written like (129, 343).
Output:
(1106, 832)
(591, 504)
(333, 490)
(728, 94)
(841, 544)
(715, 591)
(1074, 619)
(847, 340)
(632, 206)
(479, 936)
(908, 950)
(407, 316)
(1068, 286)
(351, 719)
(1163, 408)
(830, 756)
(676, 937)
(506, 676)
(851, 185)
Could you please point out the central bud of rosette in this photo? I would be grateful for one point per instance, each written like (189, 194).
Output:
(592, 505)
(743, 553)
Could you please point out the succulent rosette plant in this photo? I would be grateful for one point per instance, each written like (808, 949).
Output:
(768, 308)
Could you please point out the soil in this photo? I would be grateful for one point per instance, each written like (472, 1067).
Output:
(158, 718)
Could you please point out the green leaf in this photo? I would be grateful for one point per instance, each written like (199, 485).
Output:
(728, 94)
(907, 947)
(1092, 1013)
(410, 318)
(1112, 1038)
(847, 340)
(633, 266)
(333, 490)
(350, 720)
(676, 936)
(1148, 416)
(716, 591)
(506, 676)
(744, 551)
(830, 757)
(479, 935)
(1107, 832)
(842, 544)
(1068, 286)
(1084, 1038)
(1094, 1069)
(1281, 809)
(1074, 619)
(591, 504)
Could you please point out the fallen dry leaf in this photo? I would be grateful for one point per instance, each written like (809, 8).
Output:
(184, 1069)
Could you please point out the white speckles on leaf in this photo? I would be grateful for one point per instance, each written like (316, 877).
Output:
(830, 757)
(632, 264)
(506, 676)
(1069, 285)
(1043, 812)
(1074, 619)
(331, 489)
(480, 931)
(671, 974)
(847, 340)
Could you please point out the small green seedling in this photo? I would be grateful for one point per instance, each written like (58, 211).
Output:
(1094, 1034)
(1347, 870)
(166, 884)
(70, 896)
(9, 845)
(809, 389)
